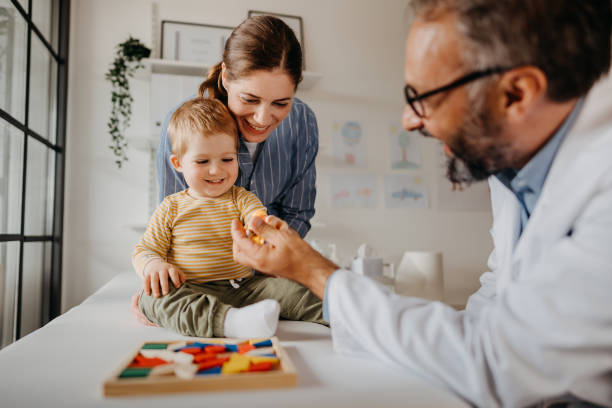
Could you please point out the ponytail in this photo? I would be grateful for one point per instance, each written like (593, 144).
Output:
(212, 87)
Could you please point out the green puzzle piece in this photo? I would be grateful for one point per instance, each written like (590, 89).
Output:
(135, 372)
(155, 346)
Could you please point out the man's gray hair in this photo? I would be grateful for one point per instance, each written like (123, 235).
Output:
(569, 40)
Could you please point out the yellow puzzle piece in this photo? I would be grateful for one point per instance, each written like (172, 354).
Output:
(236, 364)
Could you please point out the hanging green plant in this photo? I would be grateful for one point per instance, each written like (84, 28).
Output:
(126, 62)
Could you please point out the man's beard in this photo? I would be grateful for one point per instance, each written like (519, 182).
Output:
(478, 147)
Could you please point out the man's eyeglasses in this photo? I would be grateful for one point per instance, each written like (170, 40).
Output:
(415, 100)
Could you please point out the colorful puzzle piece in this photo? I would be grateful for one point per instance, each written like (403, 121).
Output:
(186, 371)
(261, 343)
(214, 370)
(214, 349)
(191, 350)
(262, 359)
(141, 361)
(212, 363)
(264, 351)
(134, 372)
(166, 369)
(170, 356)
(265, 366)
(232, 347)
(245, 348)
(236, 364)
(199, 358)
(155, 346)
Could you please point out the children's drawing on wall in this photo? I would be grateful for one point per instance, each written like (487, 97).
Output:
(352, 190)
(404, 149)
(406, 191)
(349, 143)
(475, 197)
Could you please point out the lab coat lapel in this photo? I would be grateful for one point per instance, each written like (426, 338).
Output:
(506, 229)
(560, 197)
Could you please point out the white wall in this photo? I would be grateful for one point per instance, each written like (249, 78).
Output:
(358, 48)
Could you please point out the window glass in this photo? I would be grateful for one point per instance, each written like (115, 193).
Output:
(13, 41)
(9, 269)
(45, 17)
(36, 266)
(11, 171)
(43, 84)
(40, 174)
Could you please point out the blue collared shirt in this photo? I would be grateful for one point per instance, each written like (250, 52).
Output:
(282, 176)
(527, 183)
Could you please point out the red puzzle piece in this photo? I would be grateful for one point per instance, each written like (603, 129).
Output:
(265, 366)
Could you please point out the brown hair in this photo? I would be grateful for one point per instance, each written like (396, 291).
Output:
(203, 117)
(258, 43)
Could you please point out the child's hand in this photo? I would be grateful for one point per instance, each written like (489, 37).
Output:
(156, 274)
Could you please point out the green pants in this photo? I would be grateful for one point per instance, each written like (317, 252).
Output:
(198, 309)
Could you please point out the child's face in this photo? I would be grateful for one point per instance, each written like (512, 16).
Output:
(210, 165)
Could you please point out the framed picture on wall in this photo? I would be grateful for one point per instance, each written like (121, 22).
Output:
(194, 42)
(295, 22)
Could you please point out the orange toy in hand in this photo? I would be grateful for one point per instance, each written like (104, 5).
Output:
(254, 237)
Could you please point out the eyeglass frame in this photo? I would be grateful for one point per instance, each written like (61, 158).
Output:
(472, 76)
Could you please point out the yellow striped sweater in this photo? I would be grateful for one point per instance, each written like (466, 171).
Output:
(194, 234)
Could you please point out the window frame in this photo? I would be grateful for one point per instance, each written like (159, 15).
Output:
(51, 277)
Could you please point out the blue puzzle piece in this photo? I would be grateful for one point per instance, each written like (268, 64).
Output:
(265, 343)
(232, 347)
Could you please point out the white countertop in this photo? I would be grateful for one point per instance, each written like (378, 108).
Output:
(65, 363)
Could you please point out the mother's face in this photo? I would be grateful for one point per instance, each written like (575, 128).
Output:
(259, 101)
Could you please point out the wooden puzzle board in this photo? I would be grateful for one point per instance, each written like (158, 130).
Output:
(281, 376)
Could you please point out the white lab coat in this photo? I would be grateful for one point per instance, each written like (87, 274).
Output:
(541, 324)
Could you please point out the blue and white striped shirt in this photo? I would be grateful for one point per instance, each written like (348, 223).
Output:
(283, 176)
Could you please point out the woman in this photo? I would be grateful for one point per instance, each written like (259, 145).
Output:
(257, 80)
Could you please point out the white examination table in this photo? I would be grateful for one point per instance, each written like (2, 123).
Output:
(65, 363)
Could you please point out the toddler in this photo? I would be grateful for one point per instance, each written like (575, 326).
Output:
(186, 249)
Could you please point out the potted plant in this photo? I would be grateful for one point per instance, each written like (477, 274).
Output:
(127, 60)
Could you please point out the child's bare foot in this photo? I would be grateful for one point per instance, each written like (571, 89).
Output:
(137, 313)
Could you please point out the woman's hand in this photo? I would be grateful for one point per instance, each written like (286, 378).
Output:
(156, 275)
(284, 254)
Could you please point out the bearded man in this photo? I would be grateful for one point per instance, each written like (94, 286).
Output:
(514, 90)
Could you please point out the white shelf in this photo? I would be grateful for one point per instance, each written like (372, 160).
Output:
(188, 68)
(170, 67)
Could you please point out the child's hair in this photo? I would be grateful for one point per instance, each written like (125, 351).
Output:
(203, 117)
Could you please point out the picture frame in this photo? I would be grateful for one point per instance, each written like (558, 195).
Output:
(294, 22)
(194, 42)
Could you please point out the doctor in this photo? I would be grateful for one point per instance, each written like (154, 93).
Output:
(511, 89)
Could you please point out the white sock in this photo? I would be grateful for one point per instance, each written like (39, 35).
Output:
(257, 320)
